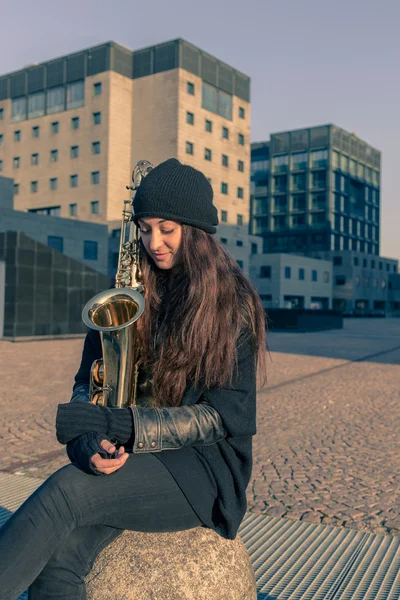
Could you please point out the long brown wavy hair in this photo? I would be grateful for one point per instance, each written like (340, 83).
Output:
(210, 303)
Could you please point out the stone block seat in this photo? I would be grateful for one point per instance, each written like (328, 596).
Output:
(196, 564)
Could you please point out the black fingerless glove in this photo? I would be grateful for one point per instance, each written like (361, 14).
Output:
(76, 418)
(81, 449)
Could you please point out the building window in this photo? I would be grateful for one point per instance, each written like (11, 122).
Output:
(17, 136)
(265, 272)
(301, 274)
(299, 161)
(16, 189)
(96, 118)
(240, 263)
(73, 209)
(326, 277)
(56, 242)
(240, 139)
(16, 162)
(288, 272)
(372, 264)
(34, 187)
(74, 152)
(36, 105)
(95, 177)
(319, 158)
(95, 147)
(224, 188)
(318, 179)
(52, 211)
(190, 88)
(216, 100)
(89, 250)
(94, 207)
(207, 154)
(34, 159)
(224, 241)
(224, 216)
(18, 109)
(240, 166)
(225, 133)
(55, 127)
(53, 155)
(1, 114)
(240, 219)
(337, 260)
(241, 112)
(239, 243)
(240, 192)
(254, 248)
(75, 123)
(35, 131)
(225, 160)
(53, 183)
(55, 100)
(340, 280)
(189, 148)
(75, 94)
(281, 163)
(365, 263)
(208, 125)
(73, 181)
(97, 88)
(356, 261)
(189, 118)
(314, 275)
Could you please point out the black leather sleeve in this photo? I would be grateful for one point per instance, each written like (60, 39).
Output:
(158, 429)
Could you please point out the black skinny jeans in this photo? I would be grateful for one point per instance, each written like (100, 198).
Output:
(50, 543)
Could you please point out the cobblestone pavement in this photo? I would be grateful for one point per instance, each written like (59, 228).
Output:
(327, 447)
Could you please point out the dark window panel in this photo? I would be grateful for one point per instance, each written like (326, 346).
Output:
(142, 63)
(4, 93)
(190, 59)
(166, 57)
(209, 69)
(98, 60)
(55, 73)
(18, 85)
(36, 79)
(299, 140)
(122, 61)
(319, 137)
(76, 67)
(242, 87)
(280, 143)
(225, 80)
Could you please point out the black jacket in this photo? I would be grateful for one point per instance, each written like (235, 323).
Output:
(228, 422)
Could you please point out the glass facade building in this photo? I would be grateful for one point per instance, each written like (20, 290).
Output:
(315, 189)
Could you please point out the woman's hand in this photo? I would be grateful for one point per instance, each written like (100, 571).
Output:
(109, 465)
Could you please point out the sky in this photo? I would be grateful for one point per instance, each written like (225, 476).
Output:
(310, 62)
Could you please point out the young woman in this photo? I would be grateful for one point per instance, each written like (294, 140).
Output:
(182, 457)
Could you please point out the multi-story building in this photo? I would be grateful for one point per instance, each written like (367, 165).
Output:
(72, 128)
(315, 189)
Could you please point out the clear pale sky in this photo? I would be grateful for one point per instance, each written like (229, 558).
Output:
(310, 62)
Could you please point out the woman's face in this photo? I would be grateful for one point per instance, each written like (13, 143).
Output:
(162, 240)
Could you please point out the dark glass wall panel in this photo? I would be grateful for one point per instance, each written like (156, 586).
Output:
(280, 143)
(76, 67)
(319, 136)
(142, 63)
(36, 79)
(190, 59)
(225, 79)
(18, 85)
(299, 140)
(55, 73)
(242, 87)
(122, 61)
(166, 57)
(4, 92)
(209, 69)
(98, 60)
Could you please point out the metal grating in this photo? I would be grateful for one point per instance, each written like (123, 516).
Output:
(292, 560)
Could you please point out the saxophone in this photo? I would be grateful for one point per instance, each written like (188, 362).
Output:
(115, 312)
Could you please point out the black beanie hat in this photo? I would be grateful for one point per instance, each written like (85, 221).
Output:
(178, 193)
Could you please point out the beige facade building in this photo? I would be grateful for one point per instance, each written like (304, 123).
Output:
(72, 129)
